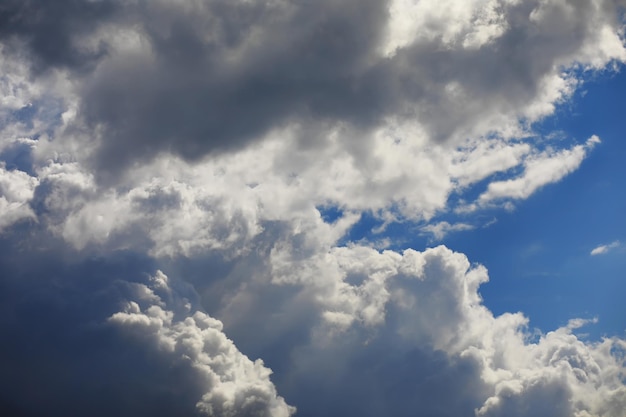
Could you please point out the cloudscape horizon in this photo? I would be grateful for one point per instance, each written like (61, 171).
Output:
(239, 208)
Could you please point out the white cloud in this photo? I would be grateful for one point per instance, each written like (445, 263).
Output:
(396, 169)
(215, 129)
(401, 302)
(16, 191)
(539, 170)
(604, 248)
(472, 23)
(222, 204)
(234, 384)
(441, 229)
(487, 157)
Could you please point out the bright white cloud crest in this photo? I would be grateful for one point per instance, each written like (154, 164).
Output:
(234, 384)
(220, 132)
(599, 250)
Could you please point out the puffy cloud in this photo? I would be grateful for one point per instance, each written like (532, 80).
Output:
(205, 137)
(363, 117)
(409, 329)
(579, 379)
(234, 385)
(16, 191)
(102, 337)
(599, 250)
(415, 305)
(171, 207)
(418, 337)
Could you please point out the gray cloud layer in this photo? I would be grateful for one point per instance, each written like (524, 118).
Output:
(202, 77)
(49, 30)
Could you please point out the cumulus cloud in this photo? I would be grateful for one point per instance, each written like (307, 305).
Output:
(602, 249)
(382, 314)
(16, 190)
(104, 337)
(235, 385)
(143, 142)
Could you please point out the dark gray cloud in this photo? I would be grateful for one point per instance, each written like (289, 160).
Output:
(221, 74)
(212, 76)
(49, 30)
(372, 381)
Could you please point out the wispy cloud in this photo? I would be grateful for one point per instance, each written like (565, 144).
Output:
(540, 170)
(602, 249)
(442, 229)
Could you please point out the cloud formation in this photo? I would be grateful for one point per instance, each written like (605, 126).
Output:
(233, 384)
(102, 337)
(206, 77)
(545, 168)
(602, 249)
(16, 190)
(441, 229)
(383, 312)
(165, 167)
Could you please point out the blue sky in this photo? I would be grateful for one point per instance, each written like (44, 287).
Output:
(330, 208)
(539, 254)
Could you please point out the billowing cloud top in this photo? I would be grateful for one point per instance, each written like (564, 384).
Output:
(167, 170)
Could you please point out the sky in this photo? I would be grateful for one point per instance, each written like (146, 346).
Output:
(239, 208)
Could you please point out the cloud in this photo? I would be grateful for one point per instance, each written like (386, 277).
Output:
(441, 229)
(390, 164)
(234, 384)
(16, 190)
(348, 319)
(51, 33)
(539, 170)
(385, 315)
(602, 249)
(103, 337)
(162, 168)
(168, 77)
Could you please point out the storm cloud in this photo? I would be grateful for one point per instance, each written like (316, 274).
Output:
(204, 77)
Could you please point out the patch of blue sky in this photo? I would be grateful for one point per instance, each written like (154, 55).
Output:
(539, 253)
(24, 115)
(34, 119)
(373, 230)
(18, 156)
(330, 213)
